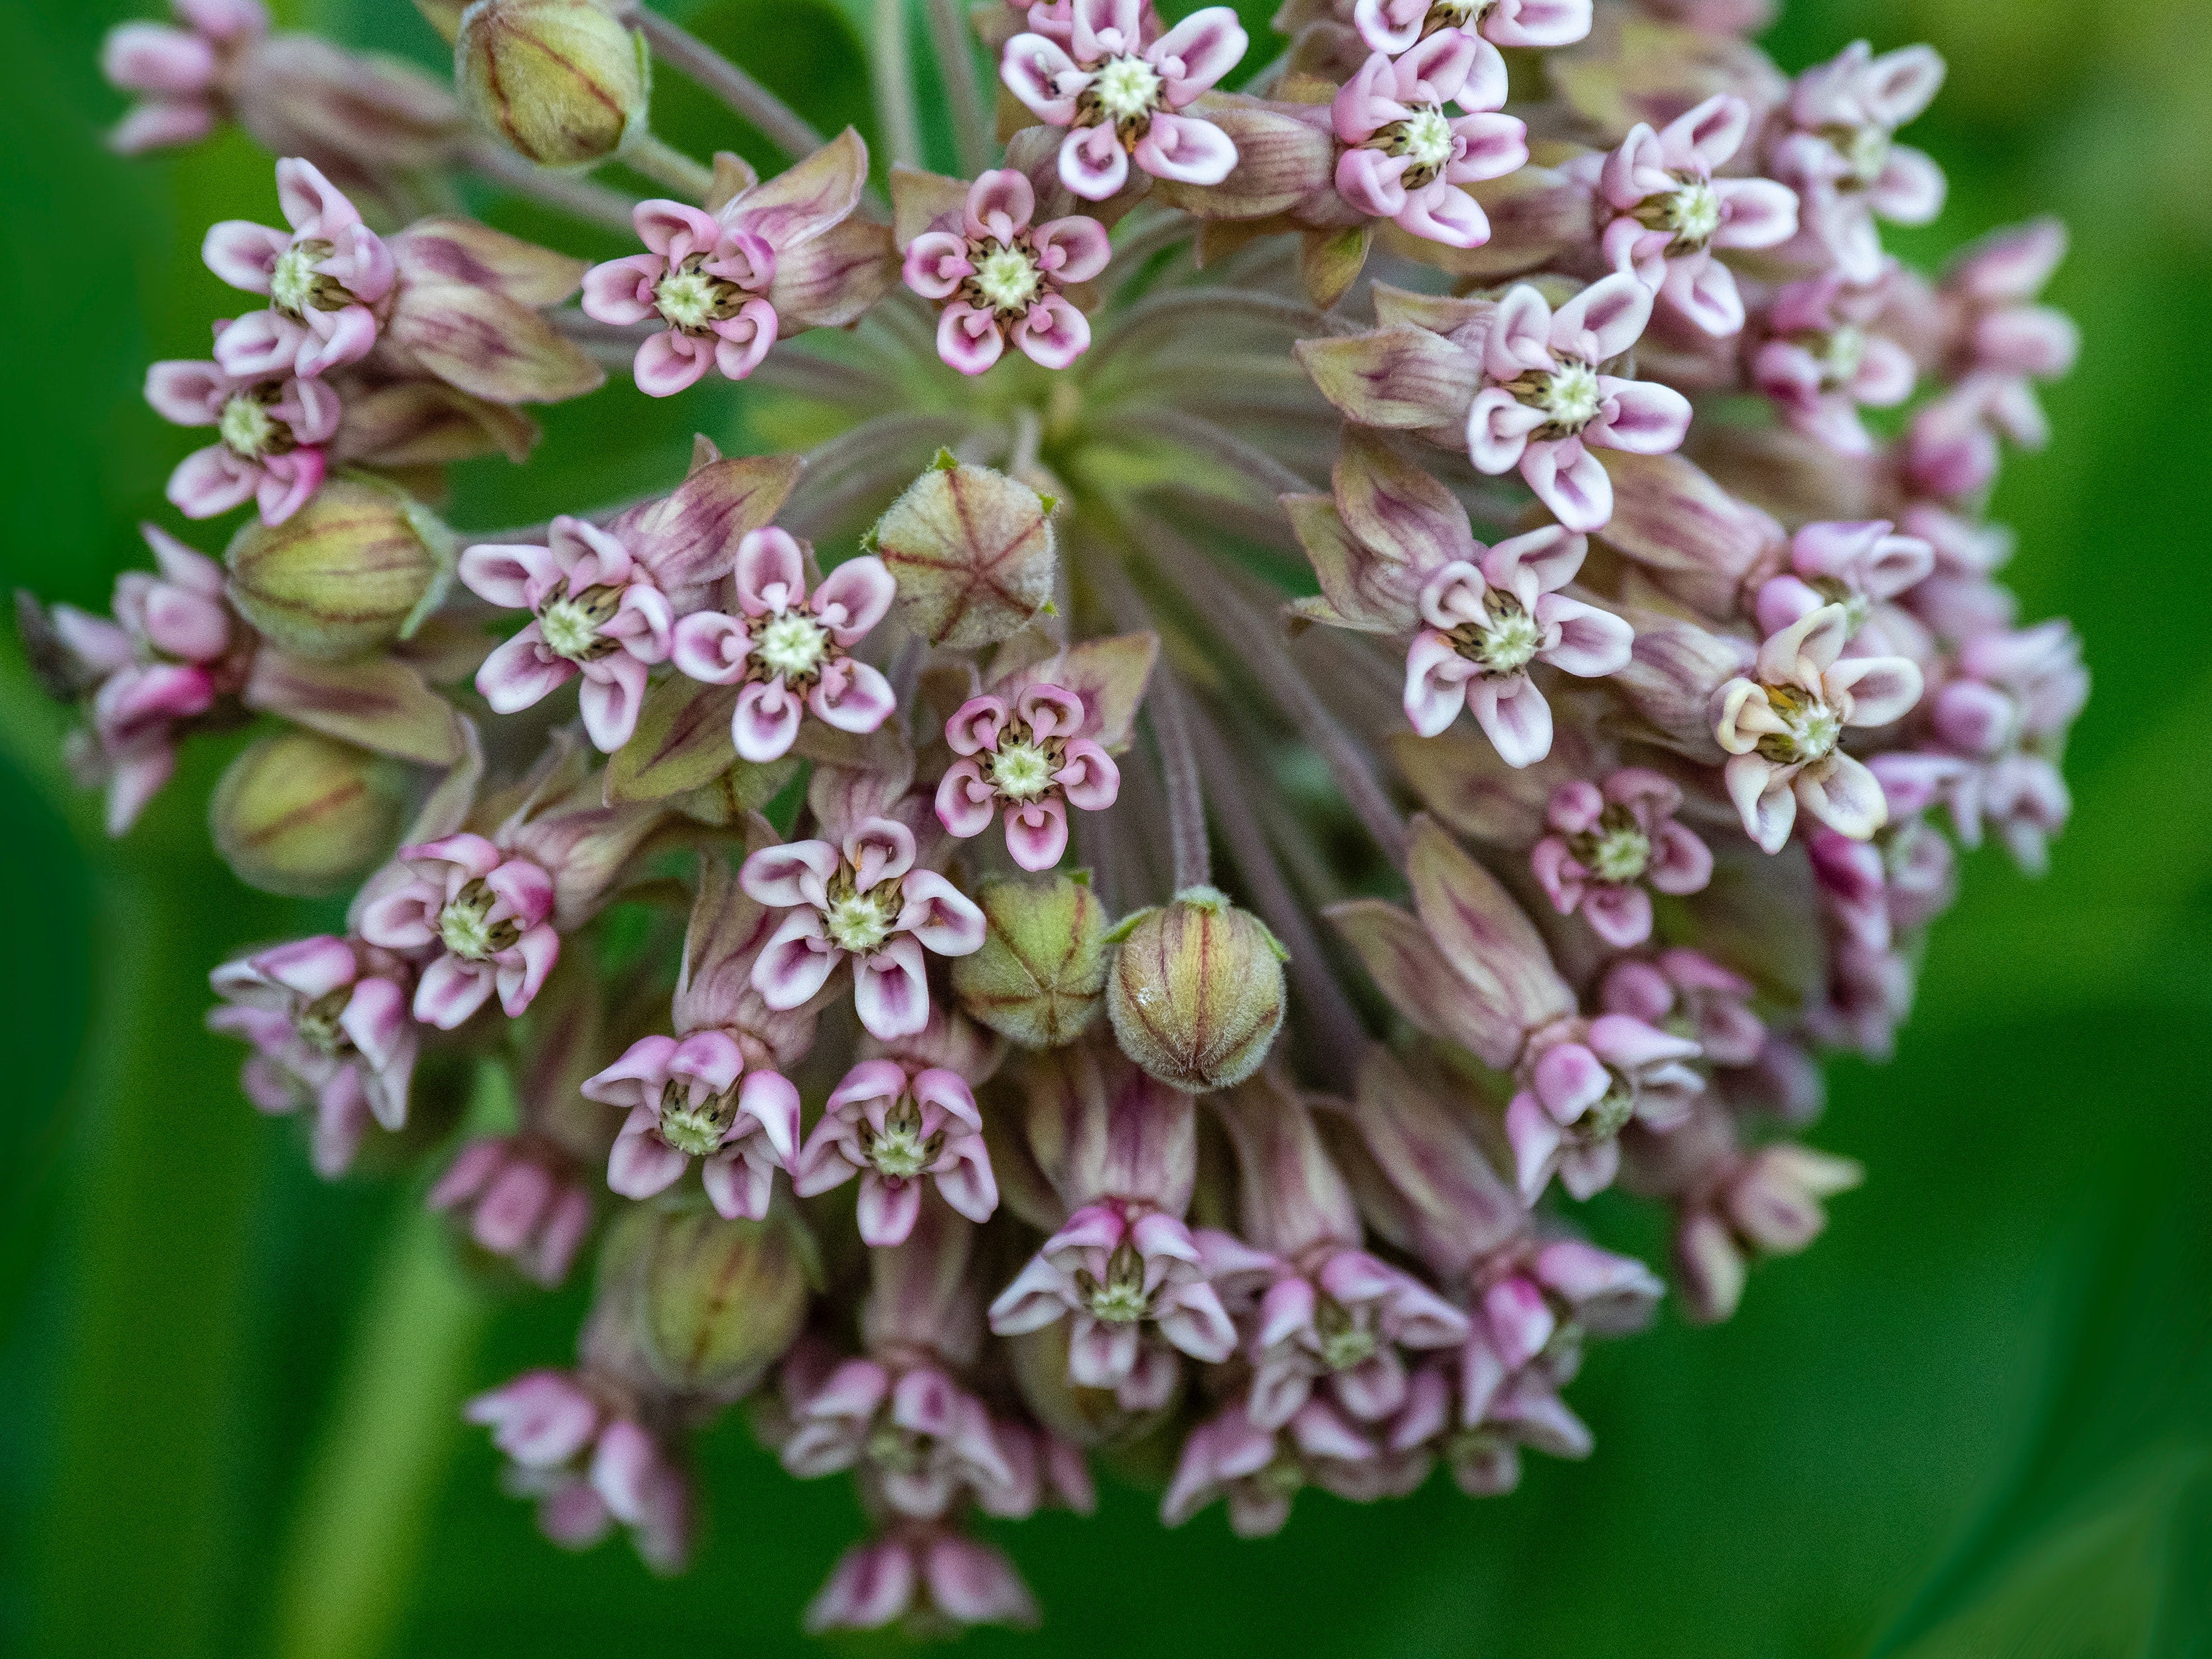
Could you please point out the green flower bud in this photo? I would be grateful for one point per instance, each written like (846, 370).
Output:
(1041, 972)
(562, 80)
(350, 572)
(718, 1302)
(1196, 991)
(301, 814)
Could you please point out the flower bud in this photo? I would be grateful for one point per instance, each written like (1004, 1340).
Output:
(562, 80)
(1042, 971)
(1196, 990)
(972, 553)
(343, 576)
(300, 814)
(719, 1301)
(443, 16)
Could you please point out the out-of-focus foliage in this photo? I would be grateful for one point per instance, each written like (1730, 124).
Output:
(1976, 1421)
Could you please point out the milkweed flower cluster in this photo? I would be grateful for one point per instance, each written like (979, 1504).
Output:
(1532, 504)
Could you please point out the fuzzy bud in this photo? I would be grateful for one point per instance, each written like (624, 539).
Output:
(1196, 990)
(562, 80)
(718, 1302)
(344, 577)
(300, 814)
(1041, 972)
(972, 550)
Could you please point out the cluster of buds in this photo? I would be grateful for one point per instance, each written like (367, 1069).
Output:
(1647, 689)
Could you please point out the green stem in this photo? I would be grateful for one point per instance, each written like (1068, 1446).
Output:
(894, 83)
(665, 164)
(356, 1537)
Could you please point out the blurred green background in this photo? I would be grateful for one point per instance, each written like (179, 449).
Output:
(1975, 1420)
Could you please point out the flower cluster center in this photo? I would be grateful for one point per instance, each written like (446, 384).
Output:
(1121, 1298)
(860, 922)
(1568, 395)
(1505, 642)
(900, 1149)
(249, 430)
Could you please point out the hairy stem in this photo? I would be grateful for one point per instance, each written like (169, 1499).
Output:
(1167, 708)
(579, 199)
(972, 136)
(693, 57)
(893, 74)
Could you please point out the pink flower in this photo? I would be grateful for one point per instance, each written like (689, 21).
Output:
(1821, 364)
(2000, 341)
(1003, 279)
(323, 280)
(864, 900)
(1117, 1268)
(1259, 1470)
(327, 1017)
(937, 1576)
(1669, 213)
(1858, 566)
(522, 1202)
(1395, 26)
(769, 261)
(1582, 1083)
(925, 1441)
(2005, 713)
(1488, 623)
(178, 74)
(1782, 726)
(891, 1124)
(272, 429)
(1341, 1327)
(706, 279)
(485, 913)
(597, 611)
(1608, 843)
(1028, 758)
(165, 658)
(1835, 149)
(685, 1101)
(589, 1466)
(791, 649)
(1119, 94)
(1405, 158)
(1544, 404)
(1682, 990)
(1530, 1317)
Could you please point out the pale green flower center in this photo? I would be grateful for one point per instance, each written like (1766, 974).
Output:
(247, 428)
(1610, 1116)
(1814, 730)
(1866, 152)
(1505, 642)
(902, 1451)
(860, 922)
(570, 626)
(1424, 139)
(696, 1131)
(294, 285)
(900, 1150)
(1007, 277)
(1693, 213)
(791, 645)
(690, 299)
(1617, 850)
(1121, 1299)
(1346, 1341)
(1126, 88)
(465, 928)
(1844, 353)
(317, 1022)
(1021, 771)
(1569, 395)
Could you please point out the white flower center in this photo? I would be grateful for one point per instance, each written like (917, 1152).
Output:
(1126, 88)
(1021, 771)
(1505, 642)
(1007, 277)
(1844, 352)
(1867, 152)
(1569, 395)
(570, 625)
(247, 428)
(792, 644)
(1693, 213)
(900, 1151)
(1121, 1298)
(1814, 730)
(860, 922)
(690, 299)
(292, 280)
(1425, 139)
(465, 928)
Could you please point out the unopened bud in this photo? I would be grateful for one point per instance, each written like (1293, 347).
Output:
(1196, 990)
(1041, 972)
(562, 80)
(719, 1301)
(972, 550)
(345, 575)
(300, 814)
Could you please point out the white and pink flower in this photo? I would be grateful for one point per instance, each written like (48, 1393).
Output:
(1609, 844)
(896, 1125)
(486, 914)
(1027, 759)
(705, 280)
(691, 1097)
(273, 429)
(1582, 1082)
(1000, 278)
(864, 902)
(789, 647)
(1545, 403)
(596, 610)
(1120, 89)
(1405, 159)
(324, 278)
(1396, 25)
